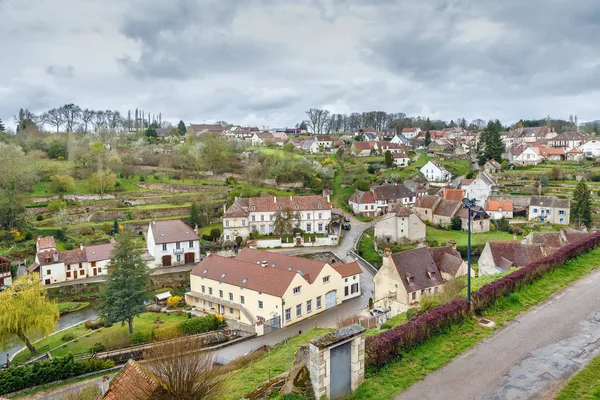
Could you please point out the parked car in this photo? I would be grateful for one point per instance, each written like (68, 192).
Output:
(346, 227)
(346, 219)
(377, 311)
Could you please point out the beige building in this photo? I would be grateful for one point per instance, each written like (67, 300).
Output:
(500, 256)
(439, 211)
(270, 290)
(405, 277)
(549, 209)
(400, 225)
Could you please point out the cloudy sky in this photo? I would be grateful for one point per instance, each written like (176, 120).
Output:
(265, 62)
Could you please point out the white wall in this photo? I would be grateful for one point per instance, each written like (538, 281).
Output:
(347, 284)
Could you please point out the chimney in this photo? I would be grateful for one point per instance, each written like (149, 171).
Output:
(81, 246)
(274, 199)
(387, 252)
(196, 228)
(225, 208)
(55, 256)
(452, 243)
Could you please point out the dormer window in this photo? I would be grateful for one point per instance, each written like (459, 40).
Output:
(320, 206)
(297, 206)
(253, 208)
(279, 206)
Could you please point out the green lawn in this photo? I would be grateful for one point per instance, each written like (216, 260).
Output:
(112, 337)
(414, 365)
(409, 172)
(443, 236)
(366, 249)
(585, 385)
(278, 361)
(458, 167)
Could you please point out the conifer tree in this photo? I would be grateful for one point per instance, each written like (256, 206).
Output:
(581, 206)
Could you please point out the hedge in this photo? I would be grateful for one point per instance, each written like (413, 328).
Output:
(386, 346)
(17, 378)
(207, 323)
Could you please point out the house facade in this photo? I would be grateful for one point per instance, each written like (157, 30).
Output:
(497, 209)
(435, 172)
(591, 147)
(499, 256)
(259, 287)
(401, 159)
(172, 243)
(481, 187)
(381, 199)
(549, 209)
(400, 226)
(257, 214)
(566, 140)
(411, 133)
(56, 266)
(529, 156)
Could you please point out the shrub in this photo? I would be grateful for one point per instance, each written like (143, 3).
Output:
(67, 337)
(166, 332)
(215, 233)
(39, 217)
(62, 183)
(142, 178)
(17, 378)
(97, 348)
(202, 324)
(139, 337)
(56, 205)
(456, 223)
(173, 301)
(89, 324)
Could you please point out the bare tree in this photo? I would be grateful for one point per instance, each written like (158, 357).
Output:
(185, 372)
(87, 116)
(99, 120)
(71, 114)
(285, 221)
(478, 123)
(113, 119)
(317, 119)
(54, 117)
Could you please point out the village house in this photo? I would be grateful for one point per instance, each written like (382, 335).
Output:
(591, 147)
(529, 156)
(399, 139)
(406, 277)
(435, 172)
(380, 199)
(554, 240)
(172, 243)
(363, 149)
(5, 272)
(480, 220)
(492, 167)
(497, 209)
(575, 154)
(549, 209)
(499, 256)
(552, 153)
(481, 187)
(440, 212)
(56, 266)
(400, 225)
(453, 194)
(401, 159)
(512, 152)
(419, 188)
(270, 290)
(257, 214)
(440, 145)
(567, 140)
(265, 138)
(325, 141)
(310, 146)
(411, 133)
(205, 128)
(383, 146)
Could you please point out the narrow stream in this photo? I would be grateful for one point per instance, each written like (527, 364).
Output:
(64, 321)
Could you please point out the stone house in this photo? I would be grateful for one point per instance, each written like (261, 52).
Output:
(497, 209)
(492, 167)
(399, 226)
(172, 243)
(481, 187)
(380, 199)
(499, 256)
(549, 209)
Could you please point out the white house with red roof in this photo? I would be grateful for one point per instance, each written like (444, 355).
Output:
(257, 214)
(411, 133)
(270, 290)
(172, 243)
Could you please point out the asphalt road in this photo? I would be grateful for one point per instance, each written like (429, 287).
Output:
(532, 357)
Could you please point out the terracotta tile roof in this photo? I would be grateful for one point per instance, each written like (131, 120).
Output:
(574, 150)
(399, 155)
(401, 210)
(370, 130)
(234, 271)
(99, 252)
(454, 194)
(133, 381)
(303, 203)
(447, 208)
(409, 130)
(346, 270)
(548, 151)
(568, 136)
(363, 145)
(463, 213)
(67, 257)
(415, 267)
(513, 253)
(265, 135)
(172, 231)
(496, 205)
(360, 197)
(310, 268)
(45, 243)
(428, 201)
(391, 192)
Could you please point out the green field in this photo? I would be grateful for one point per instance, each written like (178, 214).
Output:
(461, 238)
(585, 385)
(111, 337)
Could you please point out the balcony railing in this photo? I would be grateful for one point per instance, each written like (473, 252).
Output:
(178, 251)
(224, 302)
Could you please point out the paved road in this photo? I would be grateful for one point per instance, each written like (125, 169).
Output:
(532, 357)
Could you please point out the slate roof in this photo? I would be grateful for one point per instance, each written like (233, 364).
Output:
(549, 201)
(416, 264)
(486, 178)
(550, 239)
(573, 235)
(391, 192)
(99, 252)
(409, 129)
(364, 145)
(512, 253)
(346, 270)
(172, 231)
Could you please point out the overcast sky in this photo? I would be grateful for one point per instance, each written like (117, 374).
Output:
(264, 62)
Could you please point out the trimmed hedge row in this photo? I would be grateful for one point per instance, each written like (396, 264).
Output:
(386, 346)
(15, 378)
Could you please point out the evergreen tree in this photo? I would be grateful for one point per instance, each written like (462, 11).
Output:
(389, 159)
(490, 143)
(115, 227)
(195, 219)
(181, 128)
(2, 128)
(427, 138)
(127, 287)
(581, 206)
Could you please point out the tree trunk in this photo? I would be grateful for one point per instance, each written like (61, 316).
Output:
(27, 342)
(130, 322)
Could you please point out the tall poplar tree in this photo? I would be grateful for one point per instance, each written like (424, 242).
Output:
(128, 285)
(581, 206)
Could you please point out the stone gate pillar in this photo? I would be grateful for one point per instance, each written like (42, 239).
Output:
(320, 359)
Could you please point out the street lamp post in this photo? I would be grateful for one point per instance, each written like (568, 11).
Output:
(469, 204)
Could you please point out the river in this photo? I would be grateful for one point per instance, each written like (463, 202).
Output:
(65, 321)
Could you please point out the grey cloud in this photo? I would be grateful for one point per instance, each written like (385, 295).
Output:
(60, 71)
